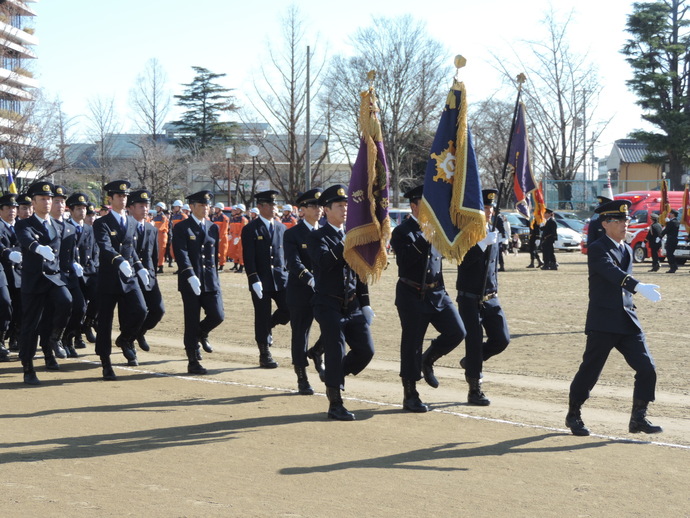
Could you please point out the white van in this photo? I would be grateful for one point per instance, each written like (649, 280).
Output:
(397, 215)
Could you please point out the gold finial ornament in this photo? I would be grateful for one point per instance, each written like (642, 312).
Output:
(371, 77)
(460, 61)
(521, 78)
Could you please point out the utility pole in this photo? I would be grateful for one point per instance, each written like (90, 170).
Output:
(307, 166)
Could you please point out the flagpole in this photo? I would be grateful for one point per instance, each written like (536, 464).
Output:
(520, 79)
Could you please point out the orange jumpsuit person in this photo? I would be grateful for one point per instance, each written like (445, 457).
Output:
(160, 221)
(223, 223)
(176, 216)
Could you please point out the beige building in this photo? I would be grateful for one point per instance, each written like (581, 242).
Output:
(629, 171)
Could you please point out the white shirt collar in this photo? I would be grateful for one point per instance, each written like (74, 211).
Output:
(202, 224)
(268, 223)
(338, 228)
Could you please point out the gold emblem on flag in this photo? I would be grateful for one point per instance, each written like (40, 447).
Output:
(445, 164)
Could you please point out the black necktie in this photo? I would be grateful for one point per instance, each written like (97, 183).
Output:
(270, 229)
(124, 225)
(341, 235)
(47, 227)
(79, 229)
(202, 226)
(140, 229)
(12, 229)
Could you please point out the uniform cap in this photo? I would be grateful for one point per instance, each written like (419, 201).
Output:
(614, 209)
(200, 197)
(24, 199)
(60, 191)
(337, 192)
(41, 189)
(489, 197)
(415, 193)
(309, 198)
(266, 196)
(77, 199)
(139, 196)
(117, 187)
(9, 200)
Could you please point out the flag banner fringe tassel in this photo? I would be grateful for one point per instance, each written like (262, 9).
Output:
(471, 223)
(373, 231)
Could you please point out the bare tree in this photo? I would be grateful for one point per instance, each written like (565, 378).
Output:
(490, 124)
(561, 93)
(281, 100)
(161, 167)
(412, 76)
(150, 99)
(103, 121)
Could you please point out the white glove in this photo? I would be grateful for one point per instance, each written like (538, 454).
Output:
(126, 269)
(144, 276)
(649, 291)
(490, 239)
(78, 270)
(236, 240)
(195, 283)
(311, 283)
(258, 289)
(45, 252)
(368, 314)
(658, 240)
(537, 242)
(15, 257)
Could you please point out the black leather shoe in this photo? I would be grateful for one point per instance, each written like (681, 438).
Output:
(30, 378)
(203, 340)
(576, 425)
(644, 426)
(317, 358)
(4, 355)
(340, 413)
(194, 367)
(109, 373)
(71, 352)
(414, 404)
(529, 266)
(89, 333)
(58, 350)
(14, 345)
(133, 363)
(428, 373)
(52, 364)
(197, 354)
(143, 344)
(129, 353)
(79, 343)
(477, 398)
(304, 388)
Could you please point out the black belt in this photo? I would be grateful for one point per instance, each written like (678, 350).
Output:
(418, 286)
(486, 297)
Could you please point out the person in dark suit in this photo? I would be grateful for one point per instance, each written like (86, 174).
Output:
(267, 274)
(25, 208)
(341, 303)
(42, 282)
(86, 255)
(146, 246)
(421, 299)
(11, 263)
(90, 278)
(671, 232)
(654, 241)
(117, 285)
(612, 321)
(549, 234)
(533, 244)
(594, 229)
(479, 307)
(300, 288)
(195, 246)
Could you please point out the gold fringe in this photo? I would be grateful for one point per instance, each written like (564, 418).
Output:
(370, 128)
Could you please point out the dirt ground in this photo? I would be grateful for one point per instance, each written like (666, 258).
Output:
(241, 442)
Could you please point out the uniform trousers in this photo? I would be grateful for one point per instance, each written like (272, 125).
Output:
(301, 319)
(487, 318)
(195, 327)
(634, 349)
(339, 328)
(264, 321)
(414, 324)
(155, 308)
(57, 301)
(5, 308)
(78, 309)
(131, 312)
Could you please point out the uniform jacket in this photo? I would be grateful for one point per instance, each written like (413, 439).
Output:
(68, 254)
(471, 271)
(87, 249)
(196, 254)
(414, 255)
(9, 243)
(549, 232)
(264, 258)
(595, 229)
(298, 264)
(38, 274)
(611, 286)
(671, 233)
(655, 232)
(146, 246)
(116, 246)
(337, 286)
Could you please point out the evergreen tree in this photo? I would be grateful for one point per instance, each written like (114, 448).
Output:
(659, 53)
(204, 100)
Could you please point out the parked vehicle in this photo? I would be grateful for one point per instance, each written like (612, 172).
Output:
(682, 253)
(568, 239)
(643, 204)
(398, 214)
(519, 224)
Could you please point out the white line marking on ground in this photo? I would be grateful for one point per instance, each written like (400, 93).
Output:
(394, 405)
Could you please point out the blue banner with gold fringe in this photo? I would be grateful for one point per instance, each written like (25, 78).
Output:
(451, 210)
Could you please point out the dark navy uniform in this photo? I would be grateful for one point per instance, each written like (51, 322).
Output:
(595, 230)
(612, 322)
(42, 282)
(300, 290)
(654, 241)
(421, 299)
(195, 245)
(264, 263)
(481, 311)
(671, 232)
(549, 234)
(338, 302)
(115, 241)
(146, 246)
(12, 310)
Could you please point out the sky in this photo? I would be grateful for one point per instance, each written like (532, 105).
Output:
(90, 48)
